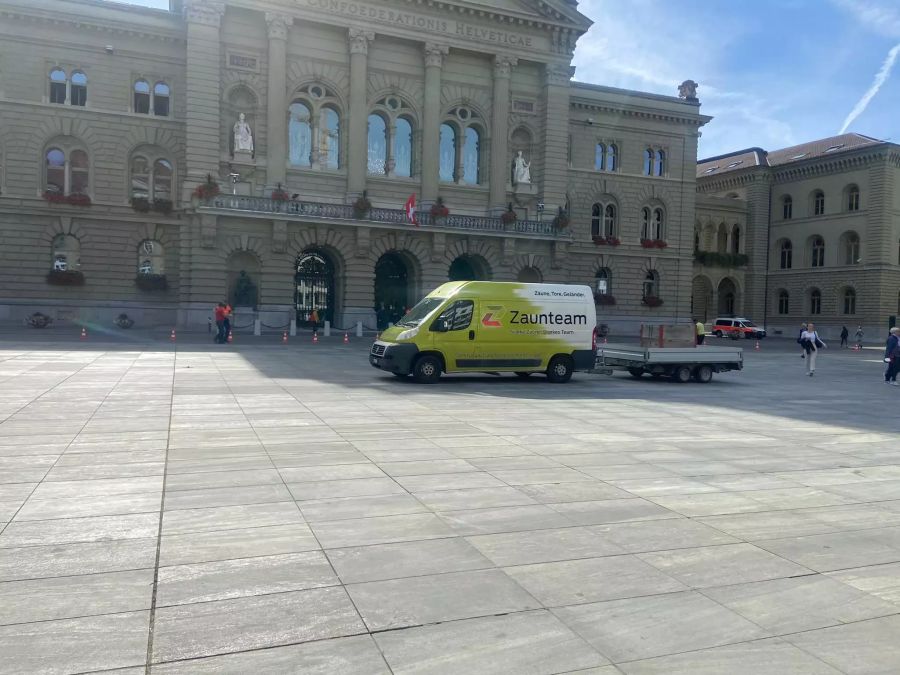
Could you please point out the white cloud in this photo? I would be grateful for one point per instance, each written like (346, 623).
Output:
(878, 16)
(880, 78)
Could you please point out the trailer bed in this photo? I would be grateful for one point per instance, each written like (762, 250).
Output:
(679, 363)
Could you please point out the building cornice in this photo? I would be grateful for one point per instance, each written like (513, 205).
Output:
(586, 105)
(831, 165)
(174, 34)
(734, 179)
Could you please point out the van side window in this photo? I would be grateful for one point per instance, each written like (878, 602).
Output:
(458, 315)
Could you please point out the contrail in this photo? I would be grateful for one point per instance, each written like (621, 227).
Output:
(880, 78)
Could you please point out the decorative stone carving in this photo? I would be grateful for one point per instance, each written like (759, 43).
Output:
(688, 90)
(278, 25)
(208, 231)
(503, 64)
(279, 236)
(363, 242)
(205, 12)
(435, 53)
(243, 135)
(558, 74)
(438, 246)
(521, 170)
(359, 40)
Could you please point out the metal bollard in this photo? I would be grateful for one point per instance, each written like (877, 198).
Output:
(292, 331)
(327, 331)
(359, 329)
(257, 327)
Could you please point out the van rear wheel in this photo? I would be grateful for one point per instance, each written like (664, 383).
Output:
(560, 369)
(427, 370)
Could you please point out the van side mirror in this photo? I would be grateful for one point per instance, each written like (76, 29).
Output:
(440, 325)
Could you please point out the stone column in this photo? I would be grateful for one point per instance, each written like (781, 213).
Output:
(359, 112)
(276, 106)
(431, 126)
(499, 133)
(202, 146)
(556, 135)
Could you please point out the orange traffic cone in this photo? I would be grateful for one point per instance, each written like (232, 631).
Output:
(229, 336)
(284, 337)
(604, 341)
(172, 336)
(83, 333)
(346, 339)
(757, 345)
(315, 338)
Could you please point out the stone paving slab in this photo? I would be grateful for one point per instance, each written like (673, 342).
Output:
(289, 509)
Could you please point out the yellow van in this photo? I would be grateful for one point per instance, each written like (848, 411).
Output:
(487, 326)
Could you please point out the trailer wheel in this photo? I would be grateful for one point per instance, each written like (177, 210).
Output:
(682, 374)
(427, 370)
(636, 372)
(560, 369)
(703, 374)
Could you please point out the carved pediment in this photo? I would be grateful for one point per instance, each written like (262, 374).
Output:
(561, 12)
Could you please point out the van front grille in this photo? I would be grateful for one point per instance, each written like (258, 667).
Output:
(378, 350)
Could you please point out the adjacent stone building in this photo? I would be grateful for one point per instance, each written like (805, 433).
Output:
(154, 162)
(806, 233)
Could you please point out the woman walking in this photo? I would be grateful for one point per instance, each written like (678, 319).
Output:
(892, 357)
(812, 344)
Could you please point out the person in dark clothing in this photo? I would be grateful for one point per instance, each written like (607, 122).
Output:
(219, 313)
(892, 357)
(800, 341)
(845, 334)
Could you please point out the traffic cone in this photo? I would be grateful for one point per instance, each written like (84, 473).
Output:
(346, 339)
(229, 337)
(284, 338)
(315, 338)
(757, 345)
(604, 341)
(83, 333)
(172, 336)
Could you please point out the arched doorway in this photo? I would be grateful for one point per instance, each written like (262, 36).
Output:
(243, 279)
(529, 275)
(728, 298)
(314, 287)
(469, 268)
(392, 289)
(701, 299)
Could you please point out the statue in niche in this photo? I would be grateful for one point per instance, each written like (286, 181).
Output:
(245, 293)
(243, 136)
(521, 170)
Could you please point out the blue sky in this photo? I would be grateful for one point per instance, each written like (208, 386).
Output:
(772, 73)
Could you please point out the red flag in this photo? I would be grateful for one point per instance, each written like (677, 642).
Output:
(411, 210)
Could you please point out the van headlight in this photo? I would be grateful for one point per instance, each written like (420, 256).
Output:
(408, 334)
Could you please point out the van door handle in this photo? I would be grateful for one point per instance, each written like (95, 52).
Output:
(471, 334)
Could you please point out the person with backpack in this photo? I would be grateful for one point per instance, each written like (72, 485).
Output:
(845, 334)
(800, 340)
(812, 343)
(892, 357)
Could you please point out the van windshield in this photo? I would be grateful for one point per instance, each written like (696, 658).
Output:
(748, 324)
(420, 312)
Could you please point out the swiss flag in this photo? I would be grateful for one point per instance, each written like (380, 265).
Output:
(410, 209)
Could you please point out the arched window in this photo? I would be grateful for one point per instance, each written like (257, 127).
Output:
(471, 159)
(403, 148)
(599, 157)
(161, 96)
(815, 301)
(851, 248)
(787, 207)
(722, 239)
(784, 302)
(329, 138)
(849, 301)
(660, 163)
(529, 275)
(596, 216)
(55, 172)
(612, 158)
(142, 97)
(151, 178)
(646, 217)
(140, 178)
(696, 241)
(151, 258)
(59, 86)
(818, 252)
(300, 135)
(787, 255)
(78, 89)
(610, 221)
(80, 172)
(659, 224)
(448, 153)
(67, 174)
(853, 198)
(648, 162)
(162, 180)
(65, 253)
(603, 281)
(818, 203)
(736, 239)
(378, 146)
(650, 288)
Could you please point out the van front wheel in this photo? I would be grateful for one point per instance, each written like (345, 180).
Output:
(427, 370)
(560, 369)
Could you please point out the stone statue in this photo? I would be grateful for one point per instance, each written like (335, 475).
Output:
(688, 90)
(521, 170)
(243, 136)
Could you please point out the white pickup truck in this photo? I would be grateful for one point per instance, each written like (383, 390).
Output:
(678, 363)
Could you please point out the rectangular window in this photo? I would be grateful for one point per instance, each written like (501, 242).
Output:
(787, 210)
(522, 106)
(853, 202)
(57, 92)
(819, 207)
(79, 95)
(783, 304)
(142, 103)
(161, 106)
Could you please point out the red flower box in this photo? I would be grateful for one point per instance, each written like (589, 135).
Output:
(604, 299)
(653, 243)
(606, 241)
(652, 301)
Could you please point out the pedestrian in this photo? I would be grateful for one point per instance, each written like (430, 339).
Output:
(800, 340)
(812, 343)
(314, 319)
(701, 332)
(892, 357)
(844, 335)
(219, 313)
(859, 337)
(227, 322)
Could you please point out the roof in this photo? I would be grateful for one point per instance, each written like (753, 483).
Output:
(750, 157)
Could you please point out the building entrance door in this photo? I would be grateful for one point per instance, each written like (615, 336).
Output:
(391, 289)
(314, 288)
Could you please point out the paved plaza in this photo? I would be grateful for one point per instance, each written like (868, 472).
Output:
(260, 508)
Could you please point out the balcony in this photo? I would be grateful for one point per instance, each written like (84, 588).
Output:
(715, 259)
(300, 209)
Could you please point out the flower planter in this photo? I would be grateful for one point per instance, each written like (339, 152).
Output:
(163, 206)
(606, 241)
(208, 189)
(604, 299)
(151, 282)
(652, 301)
(140, 204)
(72, 200)
(654, 243)
(65, 278)
(38, 320)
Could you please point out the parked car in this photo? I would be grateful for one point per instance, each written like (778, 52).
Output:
(735, 327)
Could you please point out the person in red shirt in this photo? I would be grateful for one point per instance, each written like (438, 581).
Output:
(227, 323)
(221, 336)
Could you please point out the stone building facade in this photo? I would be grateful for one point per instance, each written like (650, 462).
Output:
(154, 162)
(806, 233)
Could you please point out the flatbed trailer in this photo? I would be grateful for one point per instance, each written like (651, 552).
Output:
(681, 364)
